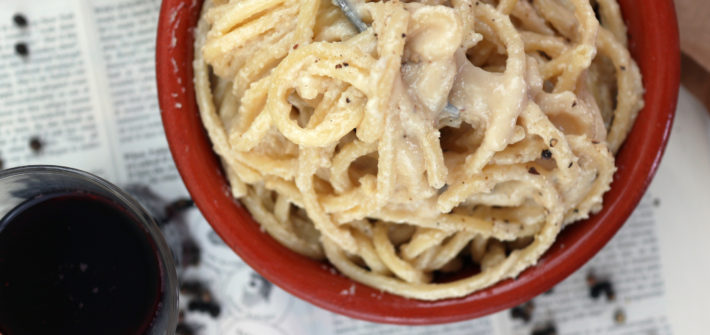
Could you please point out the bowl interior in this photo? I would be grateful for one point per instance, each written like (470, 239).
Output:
(654, 45)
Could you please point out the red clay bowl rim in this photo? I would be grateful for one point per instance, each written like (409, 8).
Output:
(315, 282)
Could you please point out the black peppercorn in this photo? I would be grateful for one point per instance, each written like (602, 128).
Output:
(523, 312)
(597, 287)
(22, 49)
(604, 287)
(205, 307)
(176, 207)
(546, 154)
(519, 313)
(192, 288)
(201, 298)
(36, 144)
(20, 20)
(183, 329)
(190, 253)
(548, 329)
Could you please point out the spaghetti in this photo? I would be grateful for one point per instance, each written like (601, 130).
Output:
(339, 143)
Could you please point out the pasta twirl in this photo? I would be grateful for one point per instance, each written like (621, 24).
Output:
(339, 143)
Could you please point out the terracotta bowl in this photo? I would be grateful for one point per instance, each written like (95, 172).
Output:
(654, 45)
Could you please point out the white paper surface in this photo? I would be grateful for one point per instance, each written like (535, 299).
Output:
(87, 90)
(683, 179)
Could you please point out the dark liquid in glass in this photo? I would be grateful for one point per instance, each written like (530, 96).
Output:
(75, 263)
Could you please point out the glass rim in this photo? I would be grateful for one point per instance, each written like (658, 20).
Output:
(164, 254)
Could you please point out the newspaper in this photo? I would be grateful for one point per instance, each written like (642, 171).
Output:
(86, 92)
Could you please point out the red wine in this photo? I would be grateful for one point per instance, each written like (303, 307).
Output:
(75, 263)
